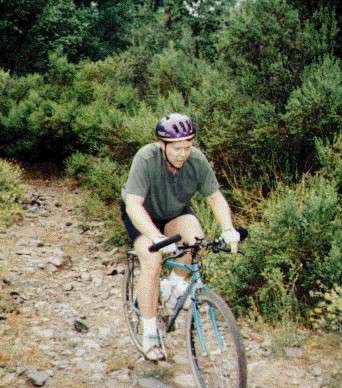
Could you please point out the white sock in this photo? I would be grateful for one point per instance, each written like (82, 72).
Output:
(150, 326)
(175, 278)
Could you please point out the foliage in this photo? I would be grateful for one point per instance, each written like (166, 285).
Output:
(328, 312)
(37, 27)
(266, 47)
(240, 135)
(262, 48)
(94, 209)
(173, 70)
(330, 159)
(102, 180)
(296, 244)
(205, 216)
(314, 110)
(102, 176)
(72, 108)
(11, 193)
(320, 33)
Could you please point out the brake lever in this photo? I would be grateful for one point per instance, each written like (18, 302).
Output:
(218, 245)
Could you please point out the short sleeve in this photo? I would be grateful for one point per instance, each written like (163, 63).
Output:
(138, 177)
(208, 181)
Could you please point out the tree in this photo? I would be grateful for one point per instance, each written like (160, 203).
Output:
(266, 46)
(79, 29)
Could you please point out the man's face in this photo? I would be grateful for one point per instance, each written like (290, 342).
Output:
(178, 152)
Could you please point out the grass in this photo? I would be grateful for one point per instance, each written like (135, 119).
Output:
(164, 374)
(11, 194)
(285, 335)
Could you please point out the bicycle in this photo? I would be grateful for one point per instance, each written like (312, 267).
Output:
(214, 344)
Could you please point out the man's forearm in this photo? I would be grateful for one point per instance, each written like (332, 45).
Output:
(221, 210)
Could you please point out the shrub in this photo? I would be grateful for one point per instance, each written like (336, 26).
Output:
(173, 70)
(261, 46)
(296, 244)
(95, 209)
(239, 134)
(11, 193)
(327, 314)
(330, 158)
(314, 110)
(104, 177)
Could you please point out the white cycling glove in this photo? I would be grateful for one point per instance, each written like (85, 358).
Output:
(169, 249)
(231, 237)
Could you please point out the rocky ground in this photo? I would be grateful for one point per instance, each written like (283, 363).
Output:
(61, 319)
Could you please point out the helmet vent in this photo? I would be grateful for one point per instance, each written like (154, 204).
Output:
(174, 126)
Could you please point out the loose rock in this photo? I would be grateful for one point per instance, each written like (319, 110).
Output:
(38, 379)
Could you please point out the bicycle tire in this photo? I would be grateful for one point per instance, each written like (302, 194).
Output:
(222, 366)
(129, 301)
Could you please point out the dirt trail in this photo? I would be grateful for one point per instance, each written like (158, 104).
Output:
(61, 320)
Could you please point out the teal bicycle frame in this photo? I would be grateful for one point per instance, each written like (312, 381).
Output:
(194, 285)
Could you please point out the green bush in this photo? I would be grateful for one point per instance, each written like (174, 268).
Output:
(262, 48)
(173, 70)
(240, 135)
(330, 159)
(11, 193)
(95, 209)
(104, 177)
(39, 113)
(297, 244)
(72, 108)
(314, 110)
(327, 314)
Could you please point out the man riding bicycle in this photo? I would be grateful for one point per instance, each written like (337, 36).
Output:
(162, 179)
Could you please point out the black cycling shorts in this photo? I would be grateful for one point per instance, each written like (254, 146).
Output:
(133, 232)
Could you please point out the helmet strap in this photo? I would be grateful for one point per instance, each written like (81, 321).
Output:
(167, 159)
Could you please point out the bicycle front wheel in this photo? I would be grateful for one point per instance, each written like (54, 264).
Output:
(214, 344)
(130, 301)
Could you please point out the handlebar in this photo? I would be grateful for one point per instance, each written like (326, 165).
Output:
(216, 245)
(164, 243)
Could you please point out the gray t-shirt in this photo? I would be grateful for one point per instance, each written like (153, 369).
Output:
(166, 194)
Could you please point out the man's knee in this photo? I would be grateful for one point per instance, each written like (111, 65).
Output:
(150, 262)
(188, 226)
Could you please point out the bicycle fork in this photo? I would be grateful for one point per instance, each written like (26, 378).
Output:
(199, 329)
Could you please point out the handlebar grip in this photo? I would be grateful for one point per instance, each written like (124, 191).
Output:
(164, 243)
(243, 232)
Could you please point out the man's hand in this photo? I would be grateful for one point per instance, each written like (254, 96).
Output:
(231, 237)
(169, 249)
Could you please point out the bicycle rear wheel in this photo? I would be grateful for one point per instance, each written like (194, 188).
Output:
(130, 301)
(214, 344)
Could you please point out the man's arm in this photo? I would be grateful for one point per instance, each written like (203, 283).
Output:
(221, 210)
(139, 216)
(223, 216)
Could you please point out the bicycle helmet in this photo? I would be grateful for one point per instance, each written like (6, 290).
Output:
(175, 127)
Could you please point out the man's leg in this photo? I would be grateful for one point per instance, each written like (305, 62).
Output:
(188, 227)
(148, 293)
(148, 285)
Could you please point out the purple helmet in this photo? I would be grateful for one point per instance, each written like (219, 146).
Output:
(175, 127)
